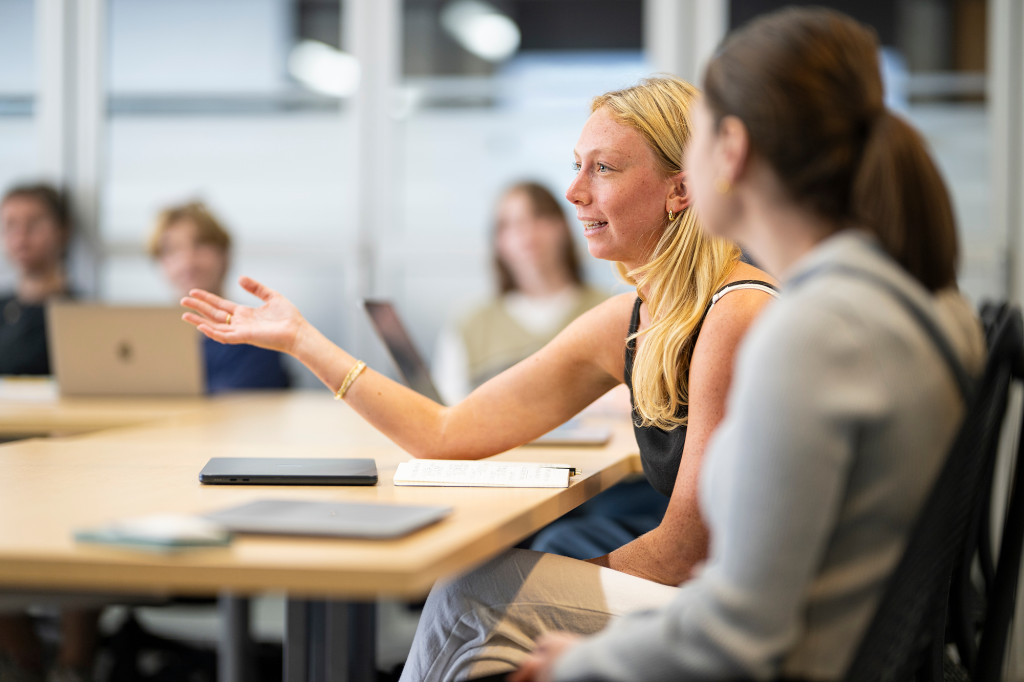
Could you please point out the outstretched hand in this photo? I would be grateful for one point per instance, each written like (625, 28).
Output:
(275, 324)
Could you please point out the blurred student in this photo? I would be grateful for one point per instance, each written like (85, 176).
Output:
(193, 250)
(540, 291)
(36, 230)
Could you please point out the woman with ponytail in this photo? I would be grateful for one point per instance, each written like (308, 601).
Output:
(866, 358)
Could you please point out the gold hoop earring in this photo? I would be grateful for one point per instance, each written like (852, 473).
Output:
(723, 186)
(671, 215)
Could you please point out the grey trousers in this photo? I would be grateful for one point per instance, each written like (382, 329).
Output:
(486, 622)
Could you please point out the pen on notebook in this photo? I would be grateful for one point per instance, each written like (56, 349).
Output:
(573, 470)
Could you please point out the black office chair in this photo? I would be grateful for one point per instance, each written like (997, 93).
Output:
(967, 597)
(1002, 592)
(905, 640)
(983, 591)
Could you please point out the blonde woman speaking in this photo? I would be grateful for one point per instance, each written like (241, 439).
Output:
(673, 342)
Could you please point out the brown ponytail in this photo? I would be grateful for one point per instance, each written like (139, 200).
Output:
(900, 195)
(806, 84)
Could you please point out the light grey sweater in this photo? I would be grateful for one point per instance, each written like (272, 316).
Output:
(840, 415)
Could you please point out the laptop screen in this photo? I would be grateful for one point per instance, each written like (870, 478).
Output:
(396, 339)
(98, 349)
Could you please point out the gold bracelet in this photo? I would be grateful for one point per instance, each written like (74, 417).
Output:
(350, 378)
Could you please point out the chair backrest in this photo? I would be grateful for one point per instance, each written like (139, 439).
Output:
(974, 576)
(1001, 589)
(907, 631)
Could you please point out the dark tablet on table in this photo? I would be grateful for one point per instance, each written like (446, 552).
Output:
(289, 471)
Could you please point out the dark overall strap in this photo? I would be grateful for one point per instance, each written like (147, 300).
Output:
(938, 337)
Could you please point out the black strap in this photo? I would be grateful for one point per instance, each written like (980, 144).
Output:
(733, 285)
(746, 281)
(938, 337)
(634, 321)
(730, 285)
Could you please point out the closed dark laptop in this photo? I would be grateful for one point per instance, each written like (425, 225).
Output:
(289, 471)
(331, 519)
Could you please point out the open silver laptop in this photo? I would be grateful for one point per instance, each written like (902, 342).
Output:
(98, 349)
(413, 369)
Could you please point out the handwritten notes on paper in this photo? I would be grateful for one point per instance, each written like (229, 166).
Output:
(445, 472)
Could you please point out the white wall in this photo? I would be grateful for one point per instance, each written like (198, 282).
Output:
(17, 58)
(198, 46)
(959, 137)
(17, 77)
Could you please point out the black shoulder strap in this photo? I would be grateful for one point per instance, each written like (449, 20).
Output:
(634, 324)
(725, 288)
(756, 284)
(634, 321)
(938, 337)
(747, 281)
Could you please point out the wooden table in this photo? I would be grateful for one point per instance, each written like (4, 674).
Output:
(30, 407)
(49, 487)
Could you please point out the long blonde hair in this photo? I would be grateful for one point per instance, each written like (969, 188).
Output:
(687, 267)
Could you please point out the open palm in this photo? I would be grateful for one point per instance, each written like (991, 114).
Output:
(274, 325)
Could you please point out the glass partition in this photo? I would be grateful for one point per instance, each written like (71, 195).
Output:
(18, 139)
(206, 102)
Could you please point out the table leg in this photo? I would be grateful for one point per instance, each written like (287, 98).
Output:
(351, 641)
(317, 647)
(330, 642)
(234, 649)
(296, 641)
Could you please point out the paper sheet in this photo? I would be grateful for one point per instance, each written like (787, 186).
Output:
(444, 472)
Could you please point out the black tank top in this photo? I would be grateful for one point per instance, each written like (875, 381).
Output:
(661, 450)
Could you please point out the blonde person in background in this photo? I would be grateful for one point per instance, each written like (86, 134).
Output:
(669, 342)
(193, 249)
(540, 291)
